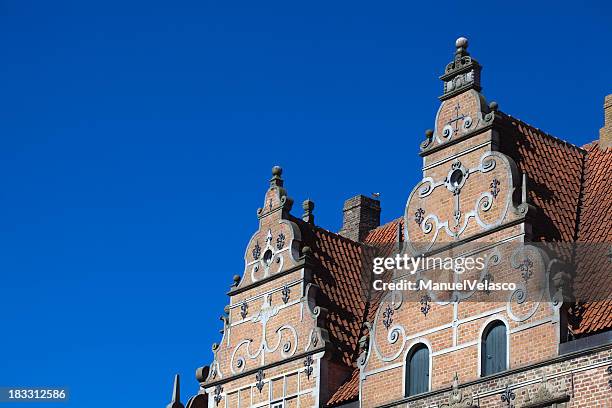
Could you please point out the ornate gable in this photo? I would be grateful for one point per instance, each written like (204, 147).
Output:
(274, 334)
(275, 246)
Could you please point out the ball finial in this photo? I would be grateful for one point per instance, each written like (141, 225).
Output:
(277, 171)
(461, 42)
(308, 205)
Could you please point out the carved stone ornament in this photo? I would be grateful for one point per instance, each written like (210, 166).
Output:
(256, 251)
(308, 362)
(388, 317)
(508, 396)
(244, 309)
(487, 211)
(543, 397)
(280, 241)
(286, 340)
(259, 377)
(462, 73)
(217, 394)
(286, 292)
(425, 299)
(274, 247)
(495, 188)
(456, 398)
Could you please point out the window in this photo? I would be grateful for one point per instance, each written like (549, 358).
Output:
(277, 404)
(417, 370)
(494, 349)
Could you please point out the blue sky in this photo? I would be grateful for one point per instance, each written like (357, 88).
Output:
(136, 141)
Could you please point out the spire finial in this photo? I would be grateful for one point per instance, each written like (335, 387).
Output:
(308, 205)
(176, 394)
(276, 179)
(461, 44)
(462, 73)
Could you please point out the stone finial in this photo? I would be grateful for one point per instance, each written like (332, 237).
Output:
(276, 179)
(461, 74)
(276, 197)
(176, 394)
(605, 133)
(236, 280)
(461, 44)
(308, 205)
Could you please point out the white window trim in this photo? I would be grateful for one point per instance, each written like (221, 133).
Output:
(411, 346)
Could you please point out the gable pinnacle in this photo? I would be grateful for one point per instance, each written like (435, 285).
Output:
(461, 44)
(176, 394)
(462, 73)
(276, 179)
(308, 206)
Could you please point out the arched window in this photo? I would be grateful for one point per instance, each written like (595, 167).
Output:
(494, 348)
(417, 370)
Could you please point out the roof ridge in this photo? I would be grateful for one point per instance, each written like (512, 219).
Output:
(325, 230)
(544, 133)
(400, 218)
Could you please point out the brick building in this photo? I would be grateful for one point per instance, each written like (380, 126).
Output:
(303, 327)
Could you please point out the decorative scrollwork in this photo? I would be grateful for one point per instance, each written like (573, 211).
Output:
(285, 292)
(280, 241)
(387, 315)
(308, 364)
(217, 394)
(425, 299)
(419, 216)
(259, 377)
(495, 187)
(526, 268)
(460, 217)
(467, 122)
(244, 309)
(256, 251)
(314, 338)
(508, 396)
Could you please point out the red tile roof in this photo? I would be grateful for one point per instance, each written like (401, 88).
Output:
(349, 391)
(554, 169)
(342, 292)
(595, 226)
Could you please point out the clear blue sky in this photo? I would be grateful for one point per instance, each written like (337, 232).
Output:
(137, 139)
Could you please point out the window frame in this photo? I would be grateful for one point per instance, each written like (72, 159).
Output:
(485, 330)
(416, 345)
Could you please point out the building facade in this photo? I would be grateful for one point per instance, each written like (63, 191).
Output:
(304, 328)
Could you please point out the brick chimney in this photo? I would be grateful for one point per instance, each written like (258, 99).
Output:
(361, 214)
(605, 133)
